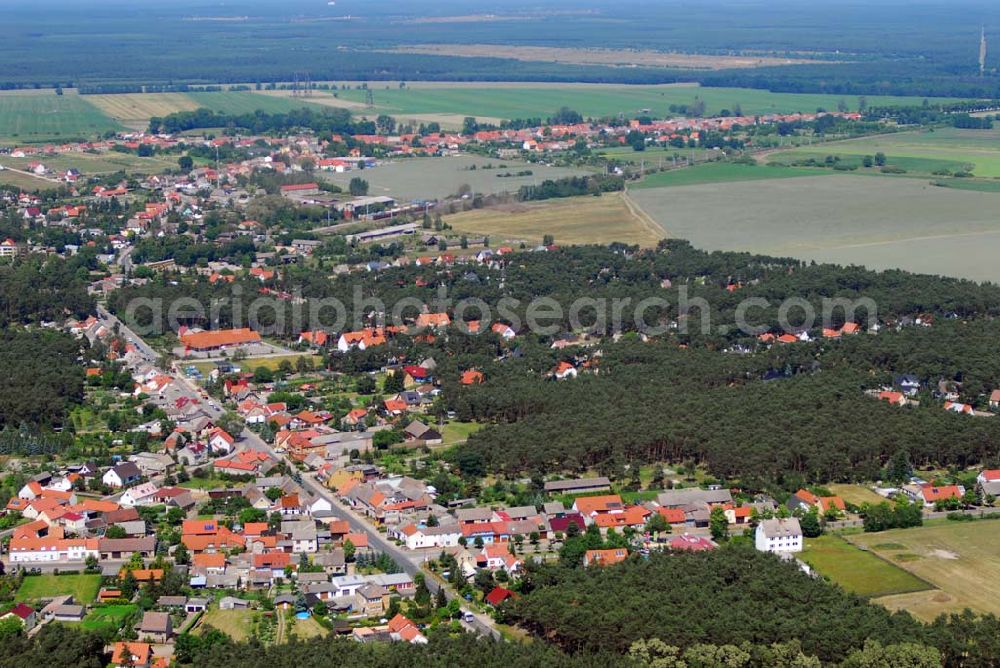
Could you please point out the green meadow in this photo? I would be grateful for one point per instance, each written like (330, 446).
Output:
(28, 118)
(530, 101)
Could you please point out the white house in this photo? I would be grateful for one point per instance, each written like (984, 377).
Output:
(122, 475)
(779, 535)
(318, 504)
(418, 537)
(220, 442)
(53, 549)
(140, 495)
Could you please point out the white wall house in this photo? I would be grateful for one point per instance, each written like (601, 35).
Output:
(779, 535)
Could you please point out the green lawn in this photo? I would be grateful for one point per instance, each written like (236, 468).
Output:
(82, 587)
(50, 117)
(720, 172)
(857, 570)
(457, 432)
(107, 617)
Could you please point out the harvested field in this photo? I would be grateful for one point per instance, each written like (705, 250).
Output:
(879, 221)
(135, 109)
(436, 178)
(959, 558)
(576, 220)
(602, 57)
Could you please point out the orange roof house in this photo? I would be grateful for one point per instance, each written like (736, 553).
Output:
(211, 340)
(433, 320)
(472, 377)
(131, 654)
(605, 557)
(589, 506)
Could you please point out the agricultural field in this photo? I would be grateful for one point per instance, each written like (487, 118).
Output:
(656, 156)
(234, 623)
(525, 100)
(134, 110)
(245, 102)
(882, 222)
(958, 558)
(25, 181)
(576, 220)
(107, 617)
(437, 178)
(923, 150)
(96, 163)
(46, 116)
(82, 587)
(720, 172)
(858, 571)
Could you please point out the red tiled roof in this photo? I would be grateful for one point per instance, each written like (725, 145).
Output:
(219, 338)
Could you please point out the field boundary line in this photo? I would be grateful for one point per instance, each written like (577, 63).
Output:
(644, 218)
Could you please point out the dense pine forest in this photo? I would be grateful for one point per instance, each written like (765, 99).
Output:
(760, 413)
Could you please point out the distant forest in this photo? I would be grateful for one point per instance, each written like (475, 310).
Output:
(860, 48)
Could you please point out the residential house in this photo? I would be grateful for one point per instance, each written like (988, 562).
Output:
(605, 557)
(24, 614)
(155, 627)
(779, 535)
(122, 475)
(131, 655)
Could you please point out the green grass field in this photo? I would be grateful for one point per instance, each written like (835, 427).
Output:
(720, 172)
(958, 558)
(50, 117)
(856, 570)
(107, 617)
(82, 587)
(912, 165)
(457, 432)
(527, 101)
(242, 102)
(944, 146)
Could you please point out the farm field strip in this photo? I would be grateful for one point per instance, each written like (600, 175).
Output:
(135, 109)
(528, 101)
(879, 221)
(573, 220)
(245, 102)
(980, 148)
(38, 118)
